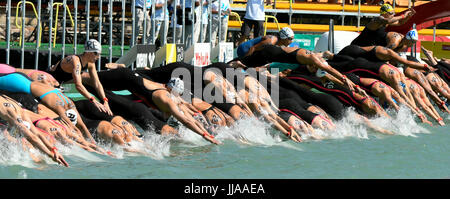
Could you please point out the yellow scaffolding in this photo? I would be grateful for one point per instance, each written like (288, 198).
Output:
(20, 26)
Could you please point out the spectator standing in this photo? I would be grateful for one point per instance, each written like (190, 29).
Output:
(161, 22)
(141, 17)
(254, 19)
(205, 20)
(189, 22)
(225, 12)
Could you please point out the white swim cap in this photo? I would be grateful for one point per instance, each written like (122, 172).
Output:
(72, 115)
(412, 35)
(286, 32)
(176, 84)
(92, 45)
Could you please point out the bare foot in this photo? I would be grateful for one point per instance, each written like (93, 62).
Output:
(238, 64)
(114, 65)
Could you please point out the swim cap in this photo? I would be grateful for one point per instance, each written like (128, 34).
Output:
(92, 45)
(412, 35)
(385, 8)
(176, 84)
(72, 115)
(286, 32)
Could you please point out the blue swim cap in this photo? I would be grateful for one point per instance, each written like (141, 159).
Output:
(412, 35)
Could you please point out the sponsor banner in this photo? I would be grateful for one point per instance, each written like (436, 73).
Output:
(305, 41)
(440, 49)
(171, 53)
(225, 52)
(145, 56)
(202, 53)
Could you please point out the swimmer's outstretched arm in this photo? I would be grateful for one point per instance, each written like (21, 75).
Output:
(78, 80)
(99, 88)
(388, 54)
(32, 135)
(187, 121)
(372, 126)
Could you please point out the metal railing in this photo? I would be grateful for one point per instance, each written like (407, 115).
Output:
(116, 27)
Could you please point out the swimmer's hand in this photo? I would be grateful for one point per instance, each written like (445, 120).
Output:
(114, 65)
(410, 12)
(361, 91)
(424, 119)
(210, 138)
(108, 110)
(57, 157)
(294, 136)
(349, 83)
(100, 107)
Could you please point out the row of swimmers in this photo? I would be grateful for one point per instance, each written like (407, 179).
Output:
(33, 103)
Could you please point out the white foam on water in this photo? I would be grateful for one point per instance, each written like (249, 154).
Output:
(401, 123)
(247, 131)
(157, 146)
(78, 153)
(13, 154)
(251, 131)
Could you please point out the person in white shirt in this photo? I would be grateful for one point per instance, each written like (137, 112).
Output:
(161, 22)
(140, 18)
(254, 19)
(225, 11)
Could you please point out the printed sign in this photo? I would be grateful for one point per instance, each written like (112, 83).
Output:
(202, 54)
(145, 56)
(225, 52)
(171, 53)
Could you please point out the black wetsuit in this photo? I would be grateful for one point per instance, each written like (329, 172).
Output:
(146, 118)
(195, 85)
(126, 79)
(268, 54)
(89, 110)
(328, 103)
(343, 94)
(356, 51)
(371, 37)
(290, 101)
(359, 66)
(91, 125)
(28, 101)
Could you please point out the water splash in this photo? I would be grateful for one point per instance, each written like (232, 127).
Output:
(12, 153)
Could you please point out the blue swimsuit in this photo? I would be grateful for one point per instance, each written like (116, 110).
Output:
(15, 82)
(20, 83)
